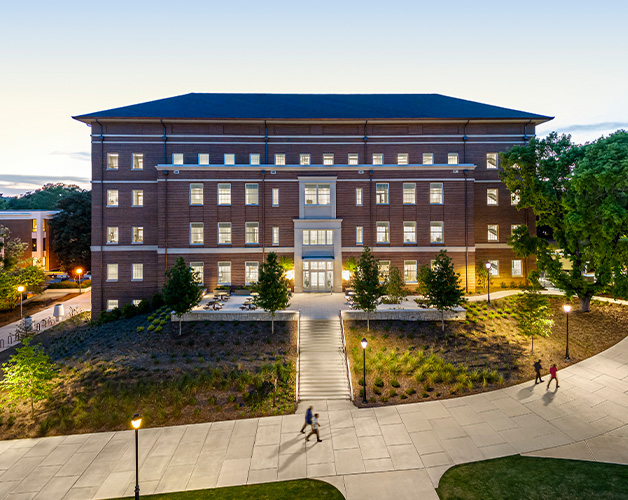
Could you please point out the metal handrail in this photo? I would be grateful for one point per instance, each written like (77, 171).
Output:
(344, 348)
(298, 356)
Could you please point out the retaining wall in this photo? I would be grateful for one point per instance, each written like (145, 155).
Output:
(458, 314)
(237, 316)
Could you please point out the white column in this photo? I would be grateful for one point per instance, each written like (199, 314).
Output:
(298, 260)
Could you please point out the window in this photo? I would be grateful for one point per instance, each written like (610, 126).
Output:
(316, 237)
(224, 233)
(112, 235)
(136, 302)
(452, 158)
(491, 160)
(402, 159)
(381, 194)
(359, 235)
(224, 194)
(252, 196)
(254, 159)
(196, 194)
(383, 267)
(177, 158)
(111, 305)
(251, 234)
(378, 158)
(251, 272)
(358, 197)
(517, 268)
(224, 273)
(138, 234)
(198, 268)
(275, 197)
(515, 198)
(409, 271)
(196, 233)
(304, 159)
(493, 232)
(203, 159)
(409, 193)
(409, 232)
(112, 272)
(513, 228)
(138, 161)
(491, 197)
(383, 232)
(494, 270)
(275, 236)
(112, 161)
(112, 197)
(436, 232)
(428, 158)
(280, 159)
(328, 159)
(353, 159)
(34, 224)
(138, 198)
(317, 194)
(436, 193)
(137, 272)
(43, 225)
(229, 159)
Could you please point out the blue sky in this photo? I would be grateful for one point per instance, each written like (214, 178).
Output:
(559, 58)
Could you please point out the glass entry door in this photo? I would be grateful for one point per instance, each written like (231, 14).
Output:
(318, 276)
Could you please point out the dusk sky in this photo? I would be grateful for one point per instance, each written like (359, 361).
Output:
(59, 59)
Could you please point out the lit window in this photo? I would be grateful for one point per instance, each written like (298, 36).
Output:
(517, 268)
(196, 233)
(359, 235)
(513, 228)
(224, 194)
(138, 234)
(43, 225)
(203, 159)
(491, 160)
(112, 161)
(428, 158)
(112, 272)
(138, 197)
(317, 194)
(383, 268)
(177, 159)
(198, 270)
(275, 197)
(112, 197)
(137, 272)
(251, 233)
(224, 273)
(136, 302)
(251, 272)
(112, 235)
(493, 232)
(409, 193)
(196, 194)
(402, 159)
(275, 236)
(491, 197)
(111, 305)
(304, 159)
(436, 232)
(315, 237)
(381, 194)
(383, 232)
(254, 159)
(353, 159)
(409, 271)
(328, 159)
(251, 195)
(515, 198)
(280, 159)
(224, 233)
(358, 197)
(452, 158)
(34, 225)
(409, 232)
(378, 158)
(229, 159)
(494, 270)
(138, 161)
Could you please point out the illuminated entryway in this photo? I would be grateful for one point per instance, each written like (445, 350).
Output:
(318, 275)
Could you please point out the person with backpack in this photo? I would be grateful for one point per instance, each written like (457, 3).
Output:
(308, 419)
(315, 427)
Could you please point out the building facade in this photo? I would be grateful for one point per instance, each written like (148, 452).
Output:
(31, 227)
(224, 179)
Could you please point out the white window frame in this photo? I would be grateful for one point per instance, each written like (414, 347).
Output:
(452, 158)
(358, 197)
(137, 272)
(251, 194)
(203, 158)
(275, 197)
(255, 159)
(409, 229)
(428, 158)
(110, 194)
(514, 199)
(196, 226)
(409, 193)
(199, 269)
(513, 268)
(111, 164)
(328, 158)
(112, 272)
(489, 200)
(224, 269)
(359, 235)
(251, 270)
(251, 233)
(318, 237)
(228, 159)
(318, 195)
(494, 271)
(433, 233)
(353, 159)
(383, 236)
(305, 159)
(136, 232)
(224, 236)
(492, 161)
(436, 193)
(280, 158)
(377, 158)
(196, 198)
(275, 236)
(136, 302)
(113, 235)
(137, 161)
(384, 194)
(406, 271)
(224, 194)
(112, 304)
(403, 158)
(513, 227)
(137, 195)
(493, 232)
(177, 159)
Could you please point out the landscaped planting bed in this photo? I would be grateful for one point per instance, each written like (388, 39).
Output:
(416, 361)
(213, 371)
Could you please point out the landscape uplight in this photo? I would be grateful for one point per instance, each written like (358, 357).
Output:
(363, 342)
(21, 289)
(136, 422)
(567, 309)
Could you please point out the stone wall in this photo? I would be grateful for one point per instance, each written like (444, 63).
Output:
(458, 314)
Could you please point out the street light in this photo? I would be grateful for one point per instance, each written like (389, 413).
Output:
(136, 423)
(364, 343)
(79, 271)
(567, 309)
(21, 290)
(488, 282)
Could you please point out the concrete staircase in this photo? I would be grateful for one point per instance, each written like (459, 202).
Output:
(322, 364)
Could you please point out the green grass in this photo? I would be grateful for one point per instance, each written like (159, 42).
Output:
(523, 478)
(303, 489)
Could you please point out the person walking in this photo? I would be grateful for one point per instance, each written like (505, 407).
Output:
(315, 427)
(308, 419)
(537, 369)
(553, 371)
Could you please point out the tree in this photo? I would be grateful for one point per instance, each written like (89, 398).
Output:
(580, 194)
(440, 285)
(482, 276)
(29, 375)
(48, 197)
(533, 311)
(11, 249)
(366, 285)
(181, 291)
(272, 287)
(396, 286)
(24, 328)
(72, 230)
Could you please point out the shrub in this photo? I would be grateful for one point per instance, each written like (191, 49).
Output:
(140, 329)
(394, 383)
(377, 390)
(403, 396)
(410, 391)
(378, 382)
(158, 329)
(129, 310)
(70, 284)
(158, 301)
(143, 307)
(392, 393)
(151, 328)
(384, 399)
(361, 381)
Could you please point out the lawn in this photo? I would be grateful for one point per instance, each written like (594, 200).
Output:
(414, 361)
(214, 371)
(303, 489)
(523, 478)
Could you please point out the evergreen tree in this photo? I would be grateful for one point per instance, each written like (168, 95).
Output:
(181, 291)
(533, 311)
(366, 285)
(272, 287)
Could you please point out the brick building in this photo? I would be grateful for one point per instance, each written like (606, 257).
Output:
(223, 179)
(31, 227)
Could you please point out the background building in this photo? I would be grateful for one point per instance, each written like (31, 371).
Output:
(223, 179)
(31, 227)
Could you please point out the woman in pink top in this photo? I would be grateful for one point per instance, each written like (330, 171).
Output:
(553, 376)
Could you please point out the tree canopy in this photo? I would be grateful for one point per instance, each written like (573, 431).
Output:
(272, 287)
(72, 231)
(47, 197)
(396, 286)
(181, 291)
(366, 285)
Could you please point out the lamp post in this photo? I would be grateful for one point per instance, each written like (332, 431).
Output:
(136, 422)
(567, 309)
(488, 282)
(78, 272)
(364, 343)
(21, 290)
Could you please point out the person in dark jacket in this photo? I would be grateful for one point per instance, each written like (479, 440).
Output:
(308, 419)
(537, 369)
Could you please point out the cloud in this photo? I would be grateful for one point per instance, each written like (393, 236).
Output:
(75, 155)
(11, 184)
(593, 127)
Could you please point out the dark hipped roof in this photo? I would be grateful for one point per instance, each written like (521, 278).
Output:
(313, 106)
